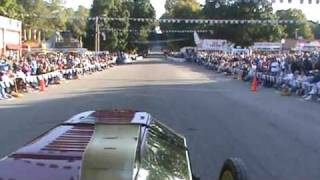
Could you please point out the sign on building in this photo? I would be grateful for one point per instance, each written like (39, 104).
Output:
(267, 46)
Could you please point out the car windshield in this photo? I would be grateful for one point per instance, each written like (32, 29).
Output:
(164, 155)
(231, 78)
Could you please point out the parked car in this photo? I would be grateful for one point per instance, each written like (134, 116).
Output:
(115, 145)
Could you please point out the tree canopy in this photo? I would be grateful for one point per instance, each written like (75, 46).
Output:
(47, 16)
(11, 9)
(116, 32)
(50, 16)
(140, 9)
(240, 34)
(78, 25)
(181, 9)
(290, 30)
(114, 39)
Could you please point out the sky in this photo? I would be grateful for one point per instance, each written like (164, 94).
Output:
(311, 11)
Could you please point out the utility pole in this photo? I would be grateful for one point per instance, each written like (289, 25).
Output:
(97, 35)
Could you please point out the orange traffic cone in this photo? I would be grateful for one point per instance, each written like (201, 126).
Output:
(42, 85)
(254, 84)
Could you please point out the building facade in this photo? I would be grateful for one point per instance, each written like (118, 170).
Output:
(10, 36)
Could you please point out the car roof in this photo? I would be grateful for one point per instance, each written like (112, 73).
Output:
(66, 151)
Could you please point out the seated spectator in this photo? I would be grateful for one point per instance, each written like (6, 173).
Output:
(3, 94)
(34, 66)
(20, 77)
(290, 84)
(250, 74)
(315, 84)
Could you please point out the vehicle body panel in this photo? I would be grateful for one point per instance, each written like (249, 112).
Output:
(111, 153)
(165, 155)
(127, 142)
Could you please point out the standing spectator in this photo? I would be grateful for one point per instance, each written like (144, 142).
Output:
(307, 65)
(34, 66)
(275, 68)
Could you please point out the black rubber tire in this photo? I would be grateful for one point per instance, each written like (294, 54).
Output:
(236, 167)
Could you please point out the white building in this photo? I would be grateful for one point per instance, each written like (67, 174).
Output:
(210, 44)
(10, 36)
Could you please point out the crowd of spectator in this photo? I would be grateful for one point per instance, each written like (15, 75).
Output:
(294, 74)
(23, 75)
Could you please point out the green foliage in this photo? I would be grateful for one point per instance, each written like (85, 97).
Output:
(241, 34)
(140, 9)
(118, 40)
(302, 29)
(115, 40)
(181, 9)
(50, 16)
(186, 9)
(47, 16)
(36, 15)
(11, 9)
(78, 25)
(170, 4)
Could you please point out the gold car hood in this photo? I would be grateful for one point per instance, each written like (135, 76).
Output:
(111, 153)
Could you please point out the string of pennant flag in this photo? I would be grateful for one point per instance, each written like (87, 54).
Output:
(204, 21)
(282, 1)
(197, 21)
(162, 31)
(300, 1)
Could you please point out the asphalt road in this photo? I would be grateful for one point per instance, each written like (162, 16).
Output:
(277, 137)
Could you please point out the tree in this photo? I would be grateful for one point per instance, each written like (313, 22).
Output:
(169, 5)
(78, 24)
(58, 17)
(181, 9)
(11, 9)
(224, 9)
(250, 10)
(116, 31)
(46, 16)
(300, 29)
(140, 9)
(117, 40)
(36, 13)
